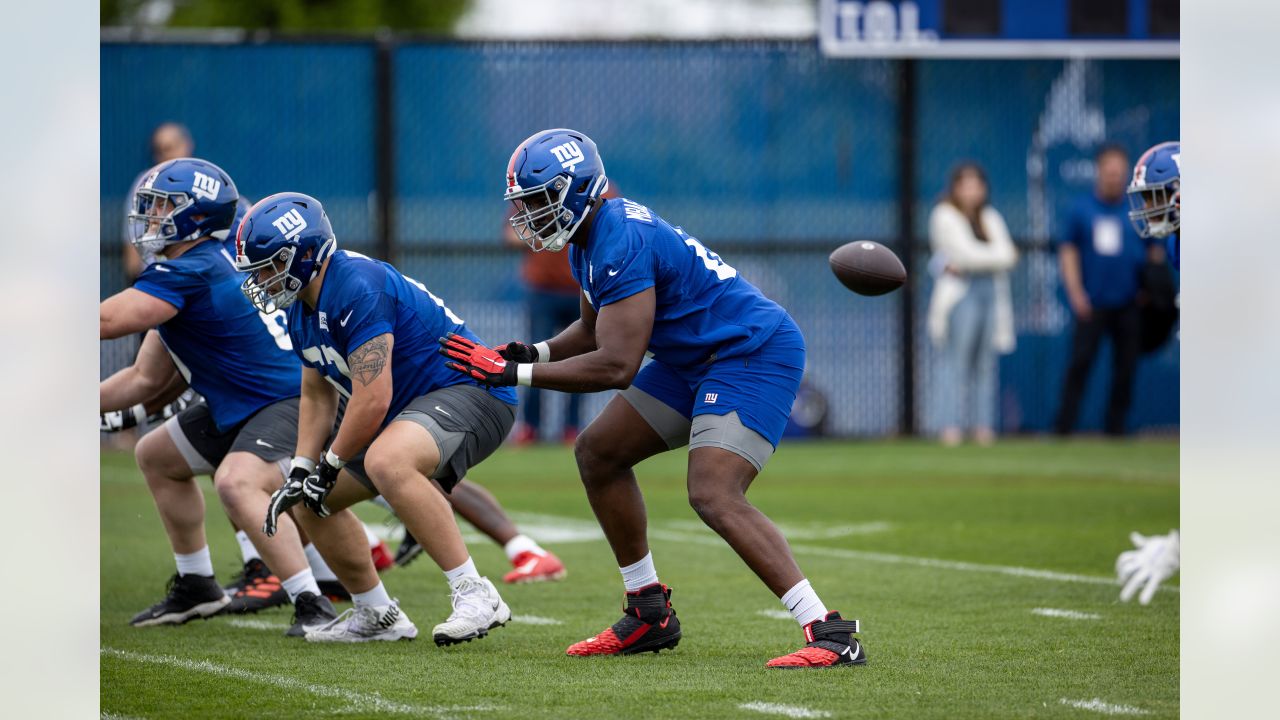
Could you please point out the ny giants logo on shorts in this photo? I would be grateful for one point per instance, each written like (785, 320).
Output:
(711, 398)
(290, 224)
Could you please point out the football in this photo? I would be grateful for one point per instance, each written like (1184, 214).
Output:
(867, 268)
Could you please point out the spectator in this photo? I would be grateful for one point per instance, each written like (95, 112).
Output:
(1101, 258)
(970, 313)
(168, 141)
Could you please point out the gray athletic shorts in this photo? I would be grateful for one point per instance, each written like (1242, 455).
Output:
(468, 424)
(722, 431)
(270, 434)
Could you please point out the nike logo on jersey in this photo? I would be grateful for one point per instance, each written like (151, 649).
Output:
(160, 268)
(442, 411)
(612, 273)
(343, 321)
(264, 444)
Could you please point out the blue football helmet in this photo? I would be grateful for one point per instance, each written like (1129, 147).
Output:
(180, 200)
(1155, 200)
(554, 178)
(282, 243)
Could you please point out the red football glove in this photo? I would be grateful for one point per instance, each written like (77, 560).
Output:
(478, 361)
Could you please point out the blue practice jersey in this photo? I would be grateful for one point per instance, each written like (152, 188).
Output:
(237, 358)
(1173, 250)
(363, 298)
(704, 307)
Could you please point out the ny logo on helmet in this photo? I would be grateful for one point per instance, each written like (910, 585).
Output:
(569, 155)
(290, 224)
(205, 186)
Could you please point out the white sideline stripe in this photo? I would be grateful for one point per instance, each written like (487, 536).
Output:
(256, 624)
(844, 554)
(794, 711)
(775, 614)
(1068, 614)
(355, 701)
(1106, 708)
(117, 716)
(535, 620)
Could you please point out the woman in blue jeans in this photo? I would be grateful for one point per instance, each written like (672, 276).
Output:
(970, 313)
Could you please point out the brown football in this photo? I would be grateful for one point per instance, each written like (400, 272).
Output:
(868, 268)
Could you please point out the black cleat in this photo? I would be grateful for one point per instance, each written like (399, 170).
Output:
(187, 597)
(408, 551)
(648, 625)
(310, 611)
(831, 644)
(254, 589)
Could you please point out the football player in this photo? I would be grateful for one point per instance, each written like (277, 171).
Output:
(726, 366)
(239, 360)
(410, 428)
(1155, 201)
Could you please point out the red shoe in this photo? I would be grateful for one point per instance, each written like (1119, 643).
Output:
(382, 557)
(649, 625)
(525, 435)
(831, 643)
(535, 566)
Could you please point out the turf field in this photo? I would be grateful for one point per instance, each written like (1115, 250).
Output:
(982, 577)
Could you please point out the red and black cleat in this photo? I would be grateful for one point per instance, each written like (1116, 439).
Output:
(255, 589)
(831, 643)
(647, 625)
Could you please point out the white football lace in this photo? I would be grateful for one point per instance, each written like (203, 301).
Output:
(470, 599)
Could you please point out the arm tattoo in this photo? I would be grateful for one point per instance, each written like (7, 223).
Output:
(367, 362)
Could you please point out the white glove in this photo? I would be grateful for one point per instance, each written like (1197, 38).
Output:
(1152, 561)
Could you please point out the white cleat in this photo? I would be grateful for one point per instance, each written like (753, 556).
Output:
(365, 624)
(477, 609)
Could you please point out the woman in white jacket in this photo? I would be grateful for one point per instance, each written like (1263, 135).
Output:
(970, 313)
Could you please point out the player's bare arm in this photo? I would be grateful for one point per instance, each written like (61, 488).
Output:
(131, 311)
(621, 334)
(149, 376)
(171, 392)
(370, 367)
(317, 409)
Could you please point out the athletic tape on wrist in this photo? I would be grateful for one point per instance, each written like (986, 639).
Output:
(544, 351)
(333, 460)
(305, 463)
(524, 374)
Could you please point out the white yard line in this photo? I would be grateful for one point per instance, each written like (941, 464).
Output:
(355, 701)
(1106, 708)
(844, 554)
(775, 614)
(791, 711)
(252, 624)
(117, 716)
(535, 620)
(1067, 614)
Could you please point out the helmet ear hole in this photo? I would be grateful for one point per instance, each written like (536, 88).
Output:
(583, 187)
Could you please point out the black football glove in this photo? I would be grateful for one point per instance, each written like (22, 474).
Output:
(518, 352)
(118, 420)
(287, 496)
(477, 361)
(317, 486)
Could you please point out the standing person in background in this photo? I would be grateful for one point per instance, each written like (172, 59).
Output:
(553, 306)
(1101, 259)
(169, 141)
(970, 312)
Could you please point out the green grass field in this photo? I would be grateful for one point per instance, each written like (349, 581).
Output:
(943, 555)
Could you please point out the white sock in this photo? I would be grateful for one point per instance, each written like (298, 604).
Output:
(639, 574)
(804, 604)
(319, 568)
(376, 597)
(196, 563)
(519, 544)
(304, 581)
(368, 535)
(465, 570)
(247, 550)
